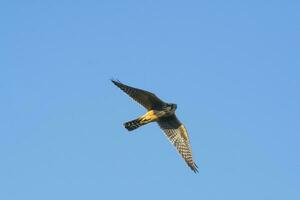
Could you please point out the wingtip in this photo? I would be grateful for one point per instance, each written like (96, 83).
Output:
(115, 81)
(194, 168)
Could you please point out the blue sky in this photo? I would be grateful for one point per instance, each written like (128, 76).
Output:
(232, 67)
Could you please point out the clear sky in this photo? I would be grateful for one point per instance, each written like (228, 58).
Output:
(232, 67)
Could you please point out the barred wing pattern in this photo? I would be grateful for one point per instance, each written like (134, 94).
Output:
(177, 134)
(145, 98)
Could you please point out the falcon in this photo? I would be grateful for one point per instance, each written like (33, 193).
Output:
(164, 114)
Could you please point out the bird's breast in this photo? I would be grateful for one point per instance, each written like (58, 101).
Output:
(163, 113)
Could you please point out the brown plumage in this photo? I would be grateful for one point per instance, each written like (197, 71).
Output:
(164, 114)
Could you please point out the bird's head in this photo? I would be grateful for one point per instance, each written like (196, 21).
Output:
(172, 106)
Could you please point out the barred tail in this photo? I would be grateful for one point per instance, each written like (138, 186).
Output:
(134, 124)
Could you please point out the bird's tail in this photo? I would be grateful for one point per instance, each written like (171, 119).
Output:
(150, 116)
(134, 124)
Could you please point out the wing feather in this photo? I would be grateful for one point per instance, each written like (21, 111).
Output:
(178, 136)
(147, 99)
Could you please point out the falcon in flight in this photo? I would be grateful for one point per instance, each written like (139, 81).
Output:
(164, 114)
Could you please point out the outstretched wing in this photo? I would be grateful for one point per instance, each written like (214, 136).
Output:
(147, 99)
(178, 136)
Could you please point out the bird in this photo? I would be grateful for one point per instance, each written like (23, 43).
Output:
(164, 114)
